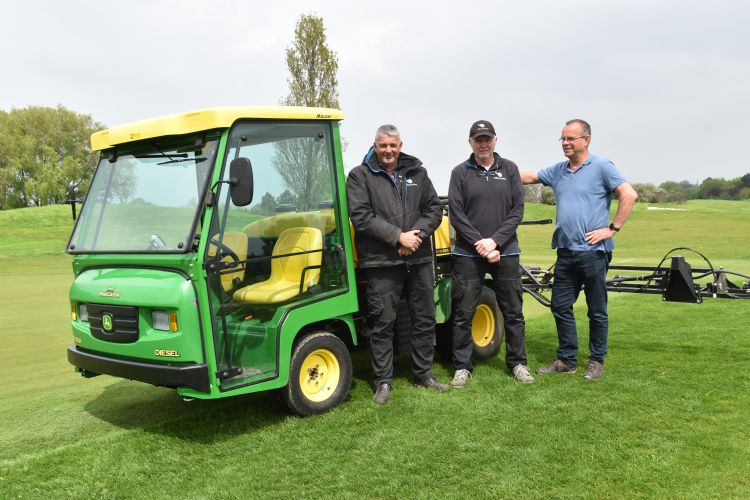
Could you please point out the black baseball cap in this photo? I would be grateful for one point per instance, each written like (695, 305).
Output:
(481, 127)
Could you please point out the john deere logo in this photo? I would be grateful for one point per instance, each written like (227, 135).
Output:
(107, 322)
(110, 292)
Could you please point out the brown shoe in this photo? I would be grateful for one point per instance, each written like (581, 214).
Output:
(557, 366)
(594, 370)
(432, 383)
(383, 394)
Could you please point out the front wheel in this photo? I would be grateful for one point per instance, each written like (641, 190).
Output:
(319, 376)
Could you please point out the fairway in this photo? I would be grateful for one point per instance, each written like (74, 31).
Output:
(669, 419)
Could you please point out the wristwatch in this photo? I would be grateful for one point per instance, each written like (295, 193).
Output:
(614, 228)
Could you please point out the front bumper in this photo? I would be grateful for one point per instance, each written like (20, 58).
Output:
(194, 376)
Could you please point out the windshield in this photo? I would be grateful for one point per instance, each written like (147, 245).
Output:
(144, 201)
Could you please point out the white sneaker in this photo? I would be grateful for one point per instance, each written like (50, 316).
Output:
(522, 375)
(460, 379)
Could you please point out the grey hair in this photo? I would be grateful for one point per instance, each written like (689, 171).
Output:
(389, 130)
(585, 127)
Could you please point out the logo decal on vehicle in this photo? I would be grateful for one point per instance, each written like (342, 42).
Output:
(167, 353)
(110, 292)
(107, 322)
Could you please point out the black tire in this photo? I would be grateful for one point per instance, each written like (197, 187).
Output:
(320, 375)
(487, 326)
(486, 330)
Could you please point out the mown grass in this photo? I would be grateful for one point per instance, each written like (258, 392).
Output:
(670, 418)
(717, 229)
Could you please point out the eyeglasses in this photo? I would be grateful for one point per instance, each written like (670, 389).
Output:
(571, 139)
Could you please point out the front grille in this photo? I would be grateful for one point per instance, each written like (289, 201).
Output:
(113, 323)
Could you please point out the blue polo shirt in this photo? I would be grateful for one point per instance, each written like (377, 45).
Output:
(583, 199)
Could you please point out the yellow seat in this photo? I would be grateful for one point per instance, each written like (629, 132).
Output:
(287, 273)
(237, 242)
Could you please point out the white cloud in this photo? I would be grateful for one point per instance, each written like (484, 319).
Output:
(662, 83)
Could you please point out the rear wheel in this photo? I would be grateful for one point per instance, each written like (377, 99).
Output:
(319, 376)
(487, 326)
(486, 330)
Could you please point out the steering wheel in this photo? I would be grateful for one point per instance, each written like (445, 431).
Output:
(225, 251)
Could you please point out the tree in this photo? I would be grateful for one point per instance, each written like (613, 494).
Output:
(712, 188)
(41, 152)
(302, 162)
(548, 196)
(286, 198)
(538, 193)
(312, 66)
(267, 205)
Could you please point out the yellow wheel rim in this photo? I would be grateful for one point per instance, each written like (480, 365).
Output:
(483, 326)
(319, 375)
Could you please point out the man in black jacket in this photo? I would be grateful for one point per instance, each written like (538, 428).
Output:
(485, 198)
(394, 209)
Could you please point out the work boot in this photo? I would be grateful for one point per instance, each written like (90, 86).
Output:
(432, 383)
(383, 394)
(460, 379)
(522, 375)
(594, 370)
(557, 366)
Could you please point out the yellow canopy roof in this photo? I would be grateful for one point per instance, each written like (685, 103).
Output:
(204, 119)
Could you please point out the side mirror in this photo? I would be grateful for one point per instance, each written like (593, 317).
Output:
(241, 182)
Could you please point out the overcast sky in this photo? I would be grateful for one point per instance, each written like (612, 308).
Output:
(664, 84)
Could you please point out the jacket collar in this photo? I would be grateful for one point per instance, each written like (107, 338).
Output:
(405, 163)
(471, 163)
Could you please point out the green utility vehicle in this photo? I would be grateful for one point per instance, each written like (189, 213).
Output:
(189, 275)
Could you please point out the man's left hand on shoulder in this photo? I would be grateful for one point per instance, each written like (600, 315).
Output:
(598, 235)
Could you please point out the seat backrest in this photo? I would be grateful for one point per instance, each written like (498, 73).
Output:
(442, 237)
(293, 240)
(237, 242)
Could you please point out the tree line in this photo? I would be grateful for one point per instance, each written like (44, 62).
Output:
(43, 150)
(668, 192)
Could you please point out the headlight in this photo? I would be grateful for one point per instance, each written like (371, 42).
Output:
(160, 320)
(164, 321)
(83, 312)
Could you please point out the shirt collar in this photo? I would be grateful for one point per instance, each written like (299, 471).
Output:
(566, 165)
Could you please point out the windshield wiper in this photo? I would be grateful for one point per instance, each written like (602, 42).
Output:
(163, 155)
(180, 160)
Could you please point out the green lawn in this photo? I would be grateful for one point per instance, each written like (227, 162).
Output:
(670, 419)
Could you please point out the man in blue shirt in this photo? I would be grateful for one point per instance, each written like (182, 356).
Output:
(583, 186)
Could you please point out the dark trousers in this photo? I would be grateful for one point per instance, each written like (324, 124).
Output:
(384, 288)
(575, 270)
(468, 279)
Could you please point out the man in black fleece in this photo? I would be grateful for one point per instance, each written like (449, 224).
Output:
(486, 205)
(394, 209)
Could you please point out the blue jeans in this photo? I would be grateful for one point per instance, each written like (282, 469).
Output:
(574, 271)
